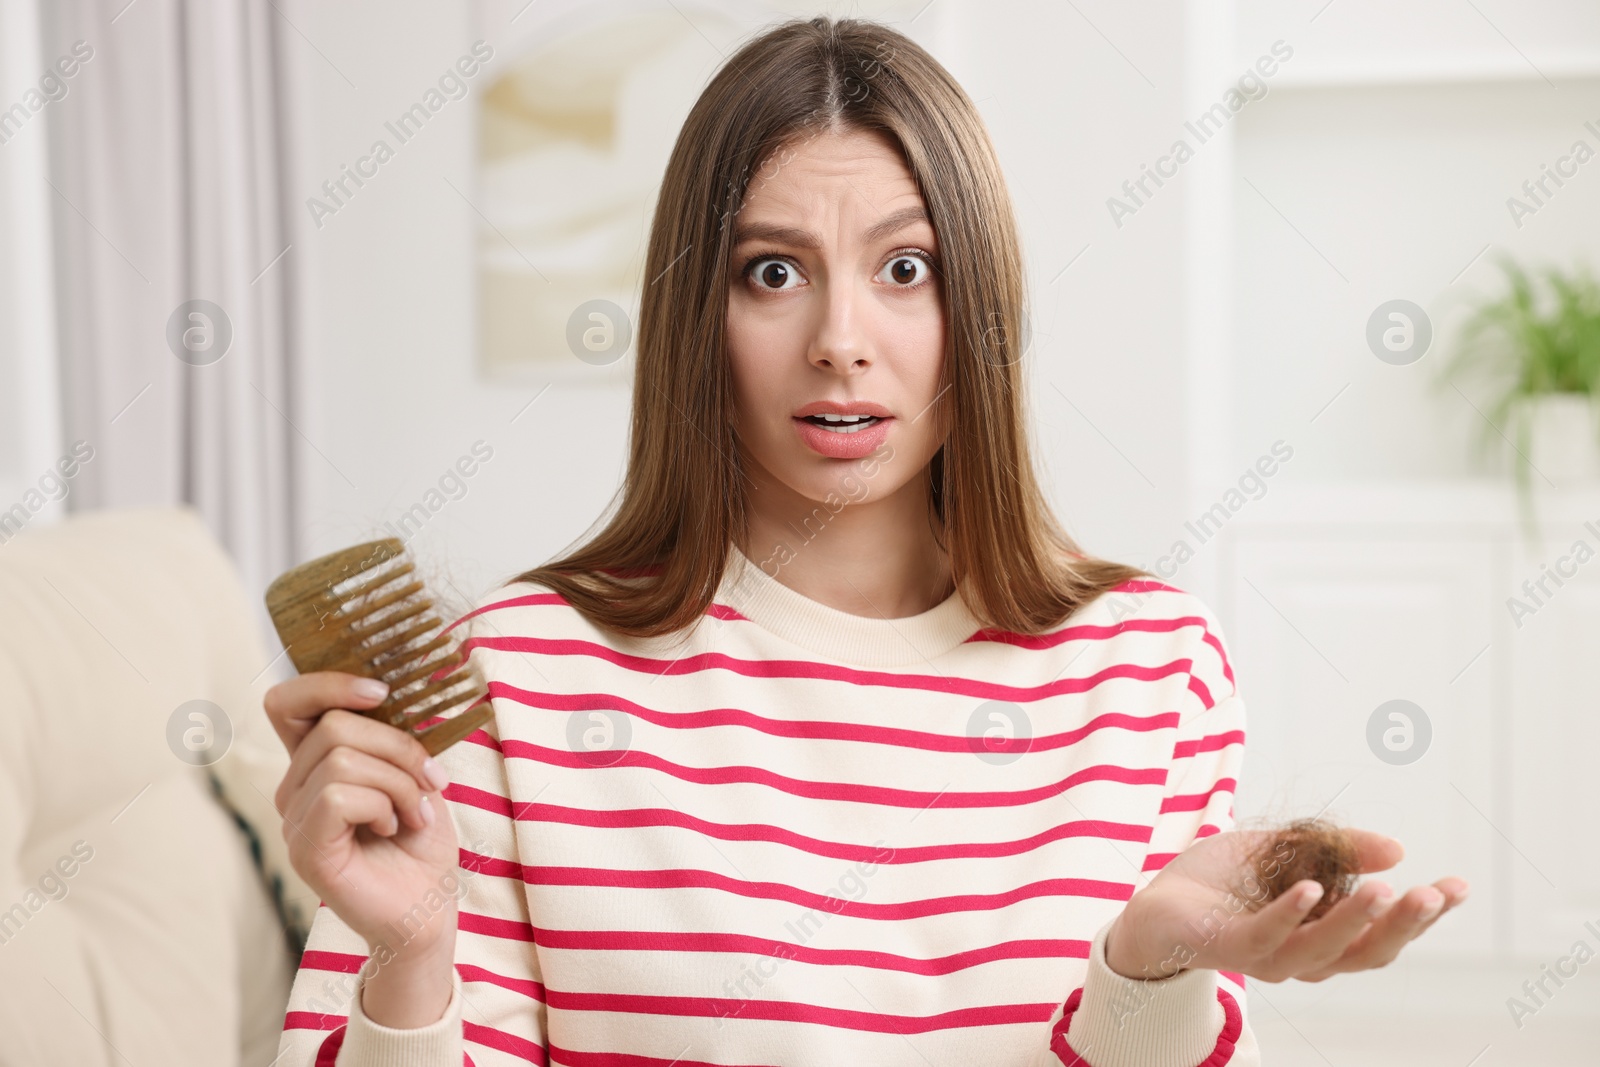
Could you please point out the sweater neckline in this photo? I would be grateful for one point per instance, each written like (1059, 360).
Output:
(839, 635)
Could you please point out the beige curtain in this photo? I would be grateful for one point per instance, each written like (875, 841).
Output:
(167, 167)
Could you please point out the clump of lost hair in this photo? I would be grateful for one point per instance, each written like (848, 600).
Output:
(1302, 849)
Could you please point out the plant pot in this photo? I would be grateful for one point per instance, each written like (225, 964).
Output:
(1563, 435)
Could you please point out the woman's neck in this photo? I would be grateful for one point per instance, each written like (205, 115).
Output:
(875, 558)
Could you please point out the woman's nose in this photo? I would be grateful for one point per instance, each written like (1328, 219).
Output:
(841, 341)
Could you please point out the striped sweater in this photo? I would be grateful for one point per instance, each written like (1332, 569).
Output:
(793, 835)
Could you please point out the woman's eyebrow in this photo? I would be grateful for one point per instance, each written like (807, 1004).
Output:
(790, 235)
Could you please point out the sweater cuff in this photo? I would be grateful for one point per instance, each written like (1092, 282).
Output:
(1114, 1021)
(370, 1044)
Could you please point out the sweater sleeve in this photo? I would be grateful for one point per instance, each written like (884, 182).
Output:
(1195, 1018)
(497, 995)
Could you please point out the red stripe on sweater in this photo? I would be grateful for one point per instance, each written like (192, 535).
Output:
(632, 818)
(1216, 644)
(794, 1011)
(500, 1041)
(1227, 1038)
(489, 925)
(816, 729)
(678, 941)
(690, 941)
(530, 600)
(351, 963)
(471, 972)
(342, 962)
(1146, 585)
(487, 1036)
(793, 668)
(883, 796)
(1198, 801)
(1032, 641)
(328, 1051)
(1088, 632)
(690, 878)
(1208, 743)
(574, 1058)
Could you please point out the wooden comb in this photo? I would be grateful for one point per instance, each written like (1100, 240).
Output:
(362, 611)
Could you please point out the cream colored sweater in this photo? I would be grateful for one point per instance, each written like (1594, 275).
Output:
(799, 836)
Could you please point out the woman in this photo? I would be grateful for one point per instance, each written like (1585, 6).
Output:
(830, 746)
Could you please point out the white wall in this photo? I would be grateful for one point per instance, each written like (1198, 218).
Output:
(1072, 119)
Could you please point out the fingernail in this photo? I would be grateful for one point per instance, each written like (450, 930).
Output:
(1308, 896)
(434, 773)
(1431, 909)
(371, 688)
(427, 810)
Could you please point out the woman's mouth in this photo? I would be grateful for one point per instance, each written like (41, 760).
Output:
(842, 423)
(843, 436)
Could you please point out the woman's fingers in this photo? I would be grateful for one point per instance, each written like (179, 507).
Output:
(1380, 943)
(354, 767)
(329, 813)
(1316, 944)
(1374, 851)
(1404, 921)
(1455, 892)
(294, 706)
(1273, 924)
(345, 729)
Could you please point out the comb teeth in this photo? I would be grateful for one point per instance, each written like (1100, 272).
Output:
(361, 610)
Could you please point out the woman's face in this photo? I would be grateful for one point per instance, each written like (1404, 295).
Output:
(834, 308)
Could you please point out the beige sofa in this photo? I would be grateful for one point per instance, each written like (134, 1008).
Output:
(147, 911)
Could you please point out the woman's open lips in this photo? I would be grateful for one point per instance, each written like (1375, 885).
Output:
(843, 436)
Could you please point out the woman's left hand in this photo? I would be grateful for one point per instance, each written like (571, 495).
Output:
(1191, 916)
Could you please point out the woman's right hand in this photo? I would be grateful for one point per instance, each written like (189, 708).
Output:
(364, 821)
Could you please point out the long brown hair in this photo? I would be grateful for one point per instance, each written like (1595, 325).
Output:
(682, 499)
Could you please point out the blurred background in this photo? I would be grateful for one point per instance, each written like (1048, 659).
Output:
(1313, 334)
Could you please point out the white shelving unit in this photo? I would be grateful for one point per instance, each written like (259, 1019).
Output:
(1342, 597)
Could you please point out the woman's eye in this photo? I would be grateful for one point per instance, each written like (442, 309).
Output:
(773, 273)
(906, 271)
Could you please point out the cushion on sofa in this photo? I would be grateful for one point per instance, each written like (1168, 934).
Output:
(135, 925)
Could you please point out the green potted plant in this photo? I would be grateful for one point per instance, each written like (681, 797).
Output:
(1539, 354)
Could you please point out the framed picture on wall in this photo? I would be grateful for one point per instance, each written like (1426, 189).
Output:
(574, 130)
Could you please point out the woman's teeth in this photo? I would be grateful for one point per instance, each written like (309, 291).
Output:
(842, 423)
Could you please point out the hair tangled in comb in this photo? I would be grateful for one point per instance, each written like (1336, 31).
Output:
(1302, 849)
(365, 610)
